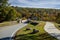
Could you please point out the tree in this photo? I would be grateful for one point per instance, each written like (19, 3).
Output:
(3, 4)
(11, 14)
(58, 18)
(3, 11)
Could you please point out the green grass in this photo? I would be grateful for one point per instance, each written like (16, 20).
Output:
(41, 35)
(57, 25)
(7, 23)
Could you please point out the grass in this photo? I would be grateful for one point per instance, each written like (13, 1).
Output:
(7, 23)
(57, 25)
(41, 35)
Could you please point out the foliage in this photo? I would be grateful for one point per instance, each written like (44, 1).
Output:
(11, 15)
(39, 13)
(58, 18)
(7, 12)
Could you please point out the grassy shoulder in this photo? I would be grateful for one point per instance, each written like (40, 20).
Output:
(57, 25)
(22, 34)
(8, 23)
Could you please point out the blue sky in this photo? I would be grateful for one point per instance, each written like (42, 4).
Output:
(36, 3)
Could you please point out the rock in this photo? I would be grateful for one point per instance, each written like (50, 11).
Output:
(27, 28)
(59, 26)
(34, 31)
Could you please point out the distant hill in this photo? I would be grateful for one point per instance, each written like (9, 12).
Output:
(39, 13)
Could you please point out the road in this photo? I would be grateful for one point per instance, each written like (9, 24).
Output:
(9, 31)
(52, 30)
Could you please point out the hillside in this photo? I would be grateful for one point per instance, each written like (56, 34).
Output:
(39, 13)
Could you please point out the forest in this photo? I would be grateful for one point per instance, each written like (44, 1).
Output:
(10, 13)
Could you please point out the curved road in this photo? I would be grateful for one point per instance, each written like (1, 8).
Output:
(52, 30)
(9, 31)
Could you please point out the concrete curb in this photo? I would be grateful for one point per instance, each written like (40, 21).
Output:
(13, 34)
(52, 30)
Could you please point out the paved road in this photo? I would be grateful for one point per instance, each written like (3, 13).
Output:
(9, 31)
(52, 30)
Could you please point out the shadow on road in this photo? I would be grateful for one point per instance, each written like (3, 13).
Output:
(7, 38)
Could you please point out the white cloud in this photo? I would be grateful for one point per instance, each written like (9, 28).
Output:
(38, 3)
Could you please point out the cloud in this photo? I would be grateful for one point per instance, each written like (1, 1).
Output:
(36, 3)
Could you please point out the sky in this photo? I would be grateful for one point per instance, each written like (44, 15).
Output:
(36, 3)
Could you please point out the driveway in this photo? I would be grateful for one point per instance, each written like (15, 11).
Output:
(9, 31)
(52, 30)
